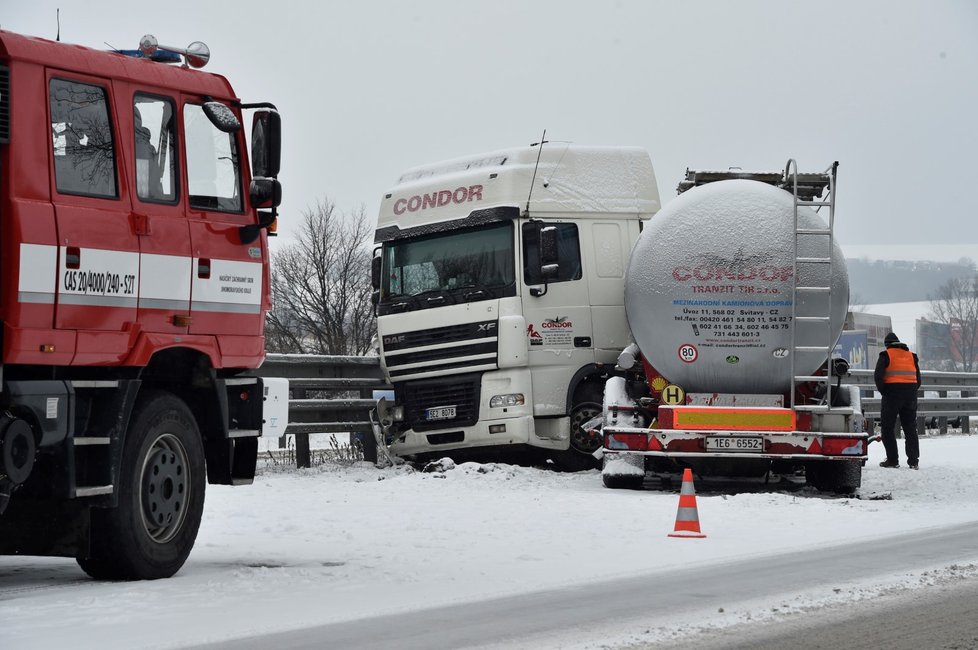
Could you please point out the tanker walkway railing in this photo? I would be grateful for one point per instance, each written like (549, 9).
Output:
(328, 394)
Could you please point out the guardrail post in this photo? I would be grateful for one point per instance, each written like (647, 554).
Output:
(942, 420)
(368, 442)
(302, 456)
(965, 421)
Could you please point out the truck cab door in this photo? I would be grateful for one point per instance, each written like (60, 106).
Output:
(97, 250)
(558, 315)
(227, 275)
(158, 215)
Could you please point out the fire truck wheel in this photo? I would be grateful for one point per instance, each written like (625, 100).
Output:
(161, 496)
(838, 476)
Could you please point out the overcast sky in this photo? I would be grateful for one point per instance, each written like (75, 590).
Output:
(369, 88)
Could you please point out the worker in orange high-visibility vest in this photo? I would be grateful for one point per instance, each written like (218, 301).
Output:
(898, 380)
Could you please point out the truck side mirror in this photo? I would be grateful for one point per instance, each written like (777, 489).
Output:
(266, 143)
(266, 160)
(265, 192)
(548, 252)
(375, 272)
(549, 265)
(222, 117)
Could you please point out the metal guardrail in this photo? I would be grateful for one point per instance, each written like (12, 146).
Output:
(323, 387)
(328, 394)
(930, 380)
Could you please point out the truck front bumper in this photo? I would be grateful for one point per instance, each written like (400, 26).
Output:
(485, 433)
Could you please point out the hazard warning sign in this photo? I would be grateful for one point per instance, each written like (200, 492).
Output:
(673, 395)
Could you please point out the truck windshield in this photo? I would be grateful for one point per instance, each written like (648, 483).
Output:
(465, 265)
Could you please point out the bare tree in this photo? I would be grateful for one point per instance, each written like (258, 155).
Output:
(955, 305)
(321, 286)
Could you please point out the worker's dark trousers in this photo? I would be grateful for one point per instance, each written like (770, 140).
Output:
(900, 401)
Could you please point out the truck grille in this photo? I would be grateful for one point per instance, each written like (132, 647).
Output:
(459, 391)
(471, 346)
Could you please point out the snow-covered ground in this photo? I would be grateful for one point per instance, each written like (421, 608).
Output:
(340, 542)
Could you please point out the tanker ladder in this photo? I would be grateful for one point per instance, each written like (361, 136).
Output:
(811, 300)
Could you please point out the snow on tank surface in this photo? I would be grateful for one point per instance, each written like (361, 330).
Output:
(708, 290)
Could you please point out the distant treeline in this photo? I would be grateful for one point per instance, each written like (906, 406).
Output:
(882, 281)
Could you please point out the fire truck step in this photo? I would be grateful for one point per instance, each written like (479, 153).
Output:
(244, 433)
(91, 440)
(93, 490)
(110, 383)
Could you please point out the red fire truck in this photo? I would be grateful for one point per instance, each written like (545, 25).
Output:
(134, 283)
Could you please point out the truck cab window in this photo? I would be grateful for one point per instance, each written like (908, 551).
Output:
(446, 263)
(81, 137)
(568, 253)
(213, 164)
(154, 130)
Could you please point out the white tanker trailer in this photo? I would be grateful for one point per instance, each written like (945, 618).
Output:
(736, 293)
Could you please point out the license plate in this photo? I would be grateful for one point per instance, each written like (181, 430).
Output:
(440, 413)
(735, 443)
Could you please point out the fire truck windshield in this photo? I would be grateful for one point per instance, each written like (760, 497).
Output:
(458, 266)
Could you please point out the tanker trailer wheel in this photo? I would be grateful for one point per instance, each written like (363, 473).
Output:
(161, 496)
(838, 477)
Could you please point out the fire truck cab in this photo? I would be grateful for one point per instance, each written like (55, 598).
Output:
(134, 284)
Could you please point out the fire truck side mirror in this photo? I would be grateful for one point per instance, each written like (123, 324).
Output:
(266, 143)
(222, 117)
(265, 192)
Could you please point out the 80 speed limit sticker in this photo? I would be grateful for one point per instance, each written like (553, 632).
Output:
(688, 353)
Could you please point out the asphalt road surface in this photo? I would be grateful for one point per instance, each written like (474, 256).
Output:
(516, 621)
(943, 617)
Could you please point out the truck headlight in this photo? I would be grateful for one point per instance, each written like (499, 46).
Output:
(511, 399)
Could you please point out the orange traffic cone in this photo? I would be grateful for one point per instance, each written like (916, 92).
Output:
(687, 519)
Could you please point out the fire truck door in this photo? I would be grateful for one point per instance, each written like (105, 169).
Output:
(227, 276)
(158, 216)
(97, 251)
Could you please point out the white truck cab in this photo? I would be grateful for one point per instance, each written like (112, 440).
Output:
(499, 291)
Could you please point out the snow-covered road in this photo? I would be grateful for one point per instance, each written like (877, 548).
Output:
(338, 543)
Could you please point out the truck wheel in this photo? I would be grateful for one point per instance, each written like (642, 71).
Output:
(161, 496)
(838, 477)
(578, 456)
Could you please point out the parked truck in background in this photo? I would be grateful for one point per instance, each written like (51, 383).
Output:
(135, 283)
(502, 310)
